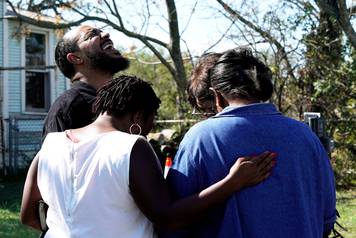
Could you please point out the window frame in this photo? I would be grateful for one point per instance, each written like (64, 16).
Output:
(49, 60)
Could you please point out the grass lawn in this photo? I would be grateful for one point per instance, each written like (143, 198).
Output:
(10, 201)
(346, 205)
(11, 192)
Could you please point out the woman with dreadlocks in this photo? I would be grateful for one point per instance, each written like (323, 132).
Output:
(104, 180)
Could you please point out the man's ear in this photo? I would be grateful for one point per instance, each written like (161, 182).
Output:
(220, 102)
(74, 59)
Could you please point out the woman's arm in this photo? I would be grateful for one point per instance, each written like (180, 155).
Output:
(31, 196)
(151, 193)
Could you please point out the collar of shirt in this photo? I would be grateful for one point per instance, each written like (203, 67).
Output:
(84, 86)
(250, 109)
(87, 91)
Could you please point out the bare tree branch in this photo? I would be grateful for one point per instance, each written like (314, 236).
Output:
(146, 22)
(109, 7)
(42, 23)
(145, 39)
(302, 5)
(117, 14)
(281, 50)
(190, 17)
(109, 13)
(30, 3)
(189, 54)
(345, 23)
(175, 50)
(352, 10)
(221, 38)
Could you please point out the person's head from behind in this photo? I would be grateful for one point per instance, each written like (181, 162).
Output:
(129, 100)
(199, 95)
(89, 47)
(238, 75)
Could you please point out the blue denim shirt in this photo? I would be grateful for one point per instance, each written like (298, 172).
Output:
(297, 200)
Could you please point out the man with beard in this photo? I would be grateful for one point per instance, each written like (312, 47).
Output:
(87, 56)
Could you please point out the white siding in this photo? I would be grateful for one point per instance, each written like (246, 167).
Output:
(1, 31)
(14, 79)
(61, 81)
(1, 53)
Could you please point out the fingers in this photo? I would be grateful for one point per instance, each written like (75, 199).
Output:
(239, 161)
(260, 158)
(267, 160)
(268, 167)
(265, 167)
(259, 167)
(242, 159)
(260, 178)
(265, 176)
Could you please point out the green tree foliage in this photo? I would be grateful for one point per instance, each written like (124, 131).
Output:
(309, 45)
(342, 122)
(328, 85)
(148, 67)
(313, 65)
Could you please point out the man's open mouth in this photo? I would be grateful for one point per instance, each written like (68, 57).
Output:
(108, 45)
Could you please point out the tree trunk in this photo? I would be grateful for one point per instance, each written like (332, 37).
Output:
(338, 10)
(175, 52)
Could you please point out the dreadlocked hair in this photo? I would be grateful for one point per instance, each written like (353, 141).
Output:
(126, 94)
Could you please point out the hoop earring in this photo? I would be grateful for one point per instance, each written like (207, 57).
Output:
(135, 125)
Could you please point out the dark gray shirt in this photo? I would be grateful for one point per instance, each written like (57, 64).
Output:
(73, 109)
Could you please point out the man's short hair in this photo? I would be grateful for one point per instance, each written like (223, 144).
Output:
(63, 48)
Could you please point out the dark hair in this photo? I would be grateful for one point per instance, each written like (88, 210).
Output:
(199, 82)
(126, 94)
(239, 74)
(64, 47)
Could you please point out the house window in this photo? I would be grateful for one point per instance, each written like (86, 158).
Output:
(37, 84)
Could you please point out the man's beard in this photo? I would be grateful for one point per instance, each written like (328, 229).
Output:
(108, 63)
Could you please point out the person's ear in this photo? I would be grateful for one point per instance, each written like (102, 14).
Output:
(74, 59)
(220, 102)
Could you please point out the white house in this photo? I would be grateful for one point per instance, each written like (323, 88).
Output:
(29, 84)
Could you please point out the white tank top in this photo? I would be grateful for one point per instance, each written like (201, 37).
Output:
(86, 186)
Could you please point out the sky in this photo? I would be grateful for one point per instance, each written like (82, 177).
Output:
(201, 31)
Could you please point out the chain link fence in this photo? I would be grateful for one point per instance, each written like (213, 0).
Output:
(20, 141)
(21, 138)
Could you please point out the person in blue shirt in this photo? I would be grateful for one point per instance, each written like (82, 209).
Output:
(297, 200)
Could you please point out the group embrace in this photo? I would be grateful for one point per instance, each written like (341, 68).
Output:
(244, 171)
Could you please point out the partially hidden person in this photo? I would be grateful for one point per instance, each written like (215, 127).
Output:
(298, 200)
(86, 55)
(104, 180)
